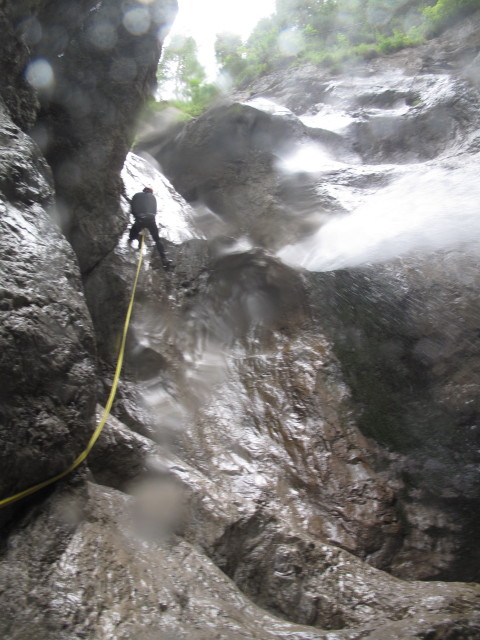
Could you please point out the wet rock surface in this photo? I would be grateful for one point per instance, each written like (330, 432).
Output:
(281, 439)
(416, 383)
(109, 556)
(225, 160)
(304, 145)
(404, 332)
(46, 365)
(104, 69)
(48, 345)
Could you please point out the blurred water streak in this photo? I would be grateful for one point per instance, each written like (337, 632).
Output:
(428, 209)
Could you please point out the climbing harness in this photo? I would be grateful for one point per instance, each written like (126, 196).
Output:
(41, 485)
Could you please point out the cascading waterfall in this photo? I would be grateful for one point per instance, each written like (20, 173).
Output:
(425, 209)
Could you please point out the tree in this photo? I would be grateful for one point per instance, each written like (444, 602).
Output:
(262, 43)
(180, 72)
(181, 78)
(316, 19)
(229, 53)
(300, 13)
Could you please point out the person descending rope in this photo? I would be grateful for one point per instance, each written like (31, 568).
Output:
(143, 207)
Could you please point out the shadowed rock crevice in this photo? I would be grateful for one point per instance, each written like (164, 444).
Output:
(301, 580)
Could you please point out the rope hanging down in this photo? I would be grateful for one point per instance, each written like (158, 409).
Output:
(41, 485)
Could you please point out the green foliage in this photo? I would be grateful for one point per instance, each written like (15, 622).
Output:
(202, 96)
(445, 12)
(259, 55)
(395, 42)
(328, 33)
(262, 45)
(229, 51)
(318, 15)
(336, 32)
(366, 51)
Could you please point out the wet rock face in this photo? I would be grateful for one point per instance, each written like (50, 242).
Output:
(108, 286)
(18, 95)
(411, 360)
(61, 85)
(417, 342)
(48, 347)
(310, 583)
(385, 116)
(148, 583)
(222, 142)
(227, 161)
(103, 59)
(281, 172)
(46, 337)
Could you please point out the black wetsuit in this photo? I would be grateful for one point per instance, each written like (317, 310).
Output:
(144, 208)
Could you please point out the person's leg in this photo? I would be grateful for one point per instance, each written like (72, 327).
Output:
(152, 227)
(135, 231)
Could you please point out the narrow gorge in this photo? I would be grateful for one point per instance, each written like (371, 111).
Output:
(293, 451)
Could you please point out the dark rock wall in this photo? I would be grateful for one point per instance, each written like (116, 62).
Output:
(64, 139)
(406, 335)
(104, 57)
(48, 348)
(225, 159)
(19, 97)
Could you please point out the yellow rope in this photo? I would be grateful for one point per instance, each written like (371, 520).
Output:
(23, 494)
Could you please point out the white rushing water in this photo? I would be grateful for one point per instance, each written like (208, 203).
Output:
(428, 209)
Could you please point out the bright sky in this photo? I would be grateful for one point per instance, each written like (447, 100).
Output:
(203, 19)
